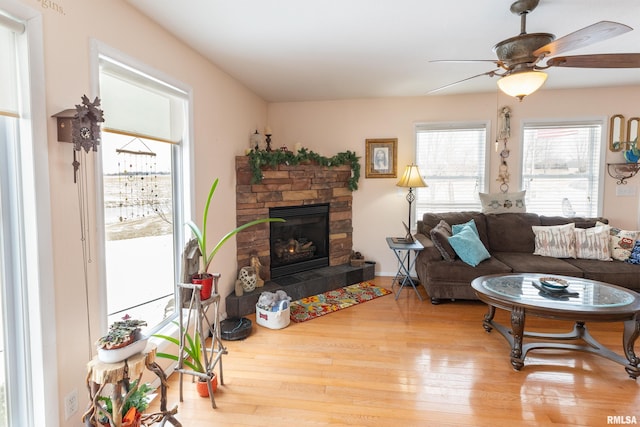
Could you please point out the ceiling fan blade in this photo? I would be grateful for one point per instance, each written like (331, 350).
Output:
(488, 73)
(495, 61)
(602, 60)
(584, 37)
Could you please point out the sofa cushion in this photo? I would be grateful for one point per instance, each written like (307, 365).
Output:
(468, 246)
(430, 220)
(593, 243)
(615, 272)
(458, 271)
(556, 241)
(580, 222)
(440, 237)
(520, 262)
(634, 258)
(456, 228)
(621, 243)
(497, 203)
(511, 232)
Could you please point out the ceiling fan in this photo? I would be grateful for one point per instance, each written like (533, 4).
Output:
(521, 58)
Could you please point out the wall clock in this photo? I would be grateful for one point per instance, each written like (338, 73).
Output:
(85, 131)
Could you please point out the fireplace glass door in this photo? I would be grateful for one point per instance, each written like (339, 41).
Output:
(302, 242)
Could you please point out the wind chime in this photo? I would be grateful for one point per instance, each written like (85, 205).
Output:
(502, 135)
(137, 181)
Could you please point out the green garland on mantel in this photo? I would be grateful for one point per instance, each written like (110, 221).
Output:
(260, 159)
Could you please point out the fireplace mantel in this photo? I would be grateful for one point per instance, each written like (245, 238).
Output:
(289, 185)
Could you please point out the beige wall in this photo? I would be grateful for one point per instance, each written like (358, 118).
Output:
(225, 113)
(379, 206)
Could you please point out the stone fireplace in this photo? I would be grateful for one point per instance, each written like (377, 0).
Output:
(292, 186)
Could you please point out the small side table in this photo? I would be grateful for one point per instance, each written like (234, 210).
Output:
(402, 252)
(118, 375)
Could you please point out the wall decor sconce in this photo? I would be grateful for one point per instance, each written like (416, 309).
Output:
(619, 139)
(81, 127)
(621, 172)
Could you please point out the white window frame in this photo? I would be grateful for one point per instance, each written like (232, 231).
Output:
(423, 204)
(32, 364)
(597, 181)
(182, 167)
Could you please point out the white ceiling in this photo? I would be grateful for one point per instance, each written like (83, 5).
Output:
(297, 50)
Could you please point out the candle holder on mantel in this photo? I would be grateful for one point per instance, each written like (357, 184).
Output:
(268, 141)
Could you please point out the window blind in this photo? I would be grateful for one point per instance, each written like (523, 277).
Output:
(452, 159)
(138, 105)
(9, 83)
(561, 168)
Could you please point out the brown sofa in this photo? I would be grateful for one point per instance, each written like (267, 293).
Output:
(510, 241)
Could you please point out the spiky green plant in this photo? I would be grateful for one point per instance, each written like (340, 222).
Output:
(192, 348)
(201, 233)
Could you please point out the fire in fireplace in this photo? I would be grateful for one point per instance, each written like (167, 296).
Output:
(302, 242)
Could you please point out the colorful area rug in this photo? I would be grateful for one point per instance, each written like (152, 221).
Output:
(318, 305)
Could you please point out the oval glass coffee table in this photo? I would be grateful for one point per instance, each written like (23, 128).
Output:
(581, 301)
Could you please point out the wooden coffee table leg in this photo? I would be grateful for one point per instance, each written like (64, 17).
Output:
(517, 330)
(631, 333)
(488, 318)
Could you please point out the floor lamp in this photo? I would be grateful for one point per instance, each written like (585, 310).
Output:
(411, 179)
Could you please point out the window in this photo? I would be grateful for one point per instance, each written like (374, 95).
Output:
(26, 265)
(451, 158)
(143, 164)
(561, 168)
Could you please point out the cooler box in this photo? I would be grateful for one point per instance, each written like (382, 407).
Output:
(274, 319)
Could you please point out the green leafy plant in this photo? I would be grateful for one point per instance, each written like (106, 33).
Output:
(137, 397)
(193, 348)
(260, 159)
(201, 233)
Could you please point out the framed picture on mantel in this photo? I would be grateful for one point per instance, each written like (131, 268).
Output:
(381, 161)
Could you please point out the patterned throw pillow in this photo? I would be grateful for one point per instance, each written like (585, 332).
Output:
(634, 258)
(503, 202)
(593, 243)
(621, 242)
(440, 237)
(556, 241)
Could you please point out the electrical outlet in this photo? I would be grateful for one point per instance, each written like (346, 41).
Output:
(71, 404)
(625, 190)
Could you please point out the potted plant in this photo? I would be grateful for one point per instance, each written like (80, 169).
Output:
(203, 277)
(193, 349)
(136, 401)
(122, 340)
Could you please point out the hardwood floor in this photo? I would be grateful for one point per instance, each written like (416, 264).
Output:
(410, 363)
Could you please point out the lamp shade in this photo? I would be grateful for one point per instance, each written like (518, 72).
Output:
(411, 178)
(522, 83)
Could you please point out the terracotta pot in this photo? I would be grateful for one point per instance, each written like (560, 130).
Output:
(206, 280)
(203, 390)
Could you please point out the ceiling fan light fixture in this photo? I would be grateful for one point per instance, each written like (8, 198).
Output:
(522, 83)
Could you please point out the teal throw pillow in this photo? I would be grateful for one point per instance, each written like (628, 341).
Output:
(468, 246)
(456, 228)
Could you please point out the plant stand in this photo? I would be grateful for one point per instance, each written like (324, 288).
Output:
(197, 311)
(118, 374)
